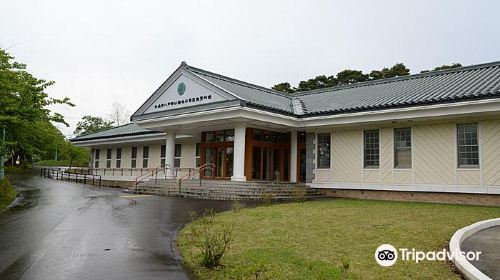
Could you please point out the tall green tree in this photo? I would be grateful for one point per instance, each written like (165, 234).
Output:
(284, 87)
(348, 76)
(24, 110)
(90, 124)
(443, 67)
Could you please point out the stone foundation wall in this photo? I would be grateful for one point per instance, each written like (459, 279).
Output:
(452, 198)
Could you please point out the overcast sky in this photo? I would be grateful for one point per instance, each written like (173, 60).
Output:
(101, 51)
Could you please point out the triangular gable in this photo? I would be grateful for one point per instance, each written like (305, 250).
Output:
(183, 89)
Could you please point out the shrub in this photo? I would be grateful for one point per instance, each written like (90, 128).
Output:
(344, 266)
(299, 194)
(7, 193)
(237, 206)
(211, 238)
(267, 198)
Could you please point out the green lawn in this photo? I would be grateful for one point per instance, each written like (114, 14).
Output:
(7, 193)
(307, 240)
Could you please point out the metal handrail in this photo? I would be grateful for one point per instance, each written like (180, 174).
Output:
(59, 174)
(194, 171)
(154, 172)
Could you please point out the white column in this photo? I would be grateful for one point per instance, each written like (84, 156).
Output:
(293, 156)
(169, 154)
(239, 153)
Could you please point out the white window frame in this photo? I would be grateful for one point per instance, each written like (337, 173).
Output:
(394, 148)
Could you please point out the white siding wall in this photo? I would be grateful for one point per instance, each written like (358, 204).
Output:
(434, 160)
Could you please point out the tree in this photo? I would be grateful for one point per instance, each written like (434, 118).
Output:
(347, 77)
(75, 156)
(90, 125)
(24, 111)
(396, 70)
(443, 67)
(119, 114)
(321, 81)
(284, 87)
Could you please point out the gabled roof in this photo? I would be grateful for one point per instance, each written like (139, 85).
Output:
(474, 82)
(458, 84)
(252, 94)
(130, 129)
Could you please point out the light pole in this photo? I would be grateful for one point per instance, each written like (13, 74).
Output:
(1, 154)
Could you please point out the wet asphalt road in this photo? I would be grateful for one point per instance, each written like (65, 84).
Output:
(486, 241)
(64, 230)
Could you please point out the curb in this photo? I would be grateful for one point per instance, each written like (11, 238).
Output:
(461, 263)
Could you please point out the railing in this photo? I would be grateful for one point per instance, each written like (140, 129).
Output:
(194, 171)
(151, 173)
(60, 174)
(125, 171)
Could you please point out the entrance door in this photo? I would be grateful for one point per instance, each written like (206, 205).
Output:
(270, 155)
(217, 148)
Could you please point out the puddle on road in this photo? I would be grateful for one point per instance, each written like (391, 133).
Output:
(29, 198)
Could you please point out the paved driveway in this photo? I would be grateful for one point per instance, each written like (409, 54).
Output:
(486, 241)
(63, 230)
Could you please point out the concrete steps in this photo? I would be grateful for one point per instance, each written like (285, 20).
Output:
(227, 190)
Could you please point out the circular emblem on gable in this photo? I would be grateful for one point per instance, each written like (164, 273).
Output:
(181, 88)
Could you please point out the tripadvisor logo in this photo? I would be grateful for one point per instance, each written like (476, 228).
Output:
(387, 255)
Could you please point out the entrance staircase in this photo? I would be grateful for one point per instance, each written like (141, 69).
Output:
(227, 190)
(187, 186)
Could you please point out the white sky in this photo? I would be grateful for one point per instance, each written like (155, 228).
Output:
(104, 51)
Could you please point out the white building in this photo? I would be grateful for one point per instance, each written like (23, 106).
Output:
(423, 134)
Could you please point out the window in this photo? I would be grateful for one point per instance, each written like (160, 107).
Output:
(371, 149)
(145, 156)
(468, 146)
(163, 152)
(177, 155)
(96, 158)
(118, 162)
(197, 155)
(324, 150)
(133, 163)
(109, 153)
(402, 147)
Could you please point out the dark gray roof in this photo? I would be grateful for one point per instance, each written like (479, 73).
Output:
(457, 84)
(119, 131)
(252, 94)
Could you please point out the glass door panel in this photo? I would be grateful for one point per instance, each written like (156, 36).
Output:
(256, 161)
(229, 161)
(276, 164)
(209, 158)
(219, 168)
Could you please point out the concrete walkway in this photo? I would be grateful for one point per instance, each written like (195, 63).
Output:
(486, 241)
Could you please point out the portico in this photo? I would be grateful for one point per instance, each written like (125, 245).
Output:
(242, 143)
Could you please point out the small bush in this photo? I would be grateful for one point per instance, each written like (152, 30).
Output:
(211, 238)
(344, 265)
(299, 194)
(7, 193)
(267, 198)
(236, 206)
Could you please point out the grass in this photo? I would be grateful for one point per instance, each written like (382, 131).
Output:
(308, 240)
(7, 193)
